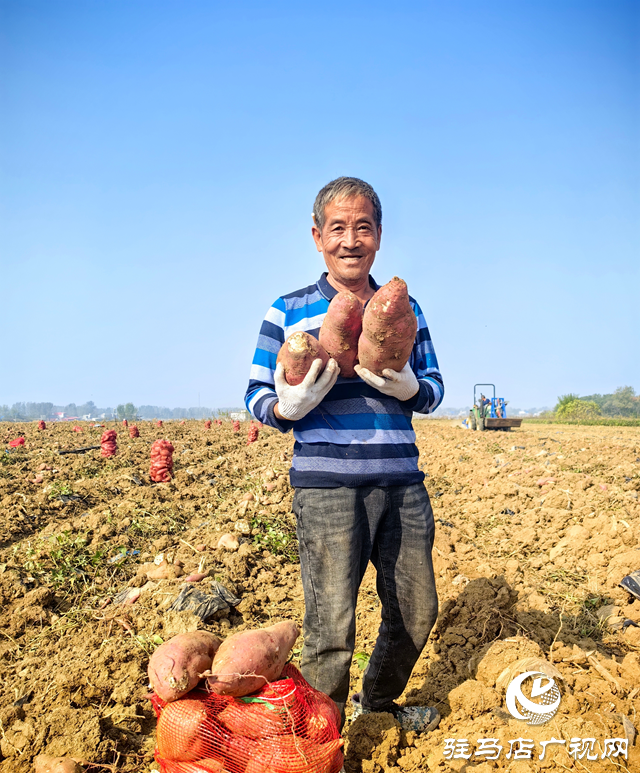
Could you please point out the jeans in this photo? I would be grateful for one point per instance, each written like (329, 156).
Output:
(340, 530)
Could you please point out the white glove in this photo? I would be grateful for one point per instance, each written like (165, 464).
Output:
(296, 401)
(403, 385)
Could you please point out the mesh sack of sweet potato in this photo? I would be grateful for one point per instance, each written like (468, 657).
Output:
(161, 469)
(252, 434)
(108, 443)
(285, 727)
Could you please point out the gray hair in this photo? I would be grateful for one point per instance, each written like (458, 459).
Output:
(343, 188)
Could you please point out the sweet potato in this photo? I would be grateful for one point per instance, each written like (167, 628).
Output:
(293, 755)
(247, 661)
(196, 577)
(165, 571)
(181, 734)
(297, 354)
(228, 542)
(44, 763)
(341, 330)
(255, 720)
(277, 710)
(175, 666)
(208, 765)
(389, 328)
(325, 719)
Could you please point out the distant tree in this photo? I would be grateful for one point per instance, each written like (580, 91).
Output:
(88, 409)
(623, 402)
(578, 410)
(565, 400)
(18, 412)
(46, 410)
(128, 412)
(596, 398)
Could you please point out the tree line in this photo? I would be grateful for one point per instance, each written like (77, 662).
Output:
(623, 403)
(49, 411)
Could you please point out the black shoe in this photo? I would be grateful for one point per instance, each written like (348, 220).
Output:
(419, 719)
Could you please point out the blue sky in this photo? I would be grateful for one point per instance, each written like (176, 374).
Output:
(159, 162)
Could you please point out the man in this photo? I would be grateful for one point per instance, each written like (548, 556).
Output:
(359, 495)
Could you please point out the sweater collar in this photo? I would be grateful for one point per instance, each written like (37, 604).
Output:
(329, 292)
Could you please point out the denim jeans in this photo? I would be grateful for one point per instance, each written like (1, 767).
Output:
(340, 530)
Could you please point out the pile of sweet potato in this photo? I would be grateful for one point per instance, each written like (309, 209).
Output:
(108, 443)
(238, 666)
(284, 725)
(161, 469)
(381, 337)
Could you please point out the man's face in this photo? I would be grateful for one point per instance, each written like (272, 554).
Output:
(349, 239)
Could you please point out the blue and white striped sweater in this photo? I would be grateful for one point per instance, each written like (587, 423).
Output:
(356, 436)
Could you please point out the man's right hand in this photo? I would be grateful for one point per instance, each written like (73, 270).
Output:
(297, 401)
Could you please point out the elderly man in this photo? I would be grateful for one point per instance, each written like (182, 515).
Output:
(359, 494)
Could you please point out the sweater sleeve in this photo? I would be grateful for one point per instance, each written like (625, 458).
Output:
(424, 364)
(261, 396)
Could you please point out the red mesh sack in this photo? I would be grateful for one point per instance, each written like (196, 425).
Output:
(108, 443)
(253, 433)
(207, 424)
(286, 727)
(134, 431)
(77, 429)
(42, 425)
(236, 426)
(159, 423)
(161, 470)
(19, 441)
(125, 423)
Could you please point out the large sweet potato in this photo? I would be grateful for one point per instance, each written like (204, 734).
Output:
(297, 354)
(389, 328)
(341, 330)
(324, 719)
(175, 666)
(277, 710)
(182, 730)
(294, 755)
(246, 661)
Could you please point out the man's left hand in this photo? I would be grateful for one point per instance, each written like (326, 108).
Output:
(403, 385)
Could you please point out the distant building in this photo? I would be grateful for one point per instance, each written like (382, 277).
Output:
(240, 415)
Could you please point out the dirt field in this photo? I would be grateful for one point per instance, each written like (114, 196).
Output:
(535, 529)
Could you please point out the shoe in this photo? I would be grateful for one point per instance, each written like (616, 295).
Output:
(419, 719)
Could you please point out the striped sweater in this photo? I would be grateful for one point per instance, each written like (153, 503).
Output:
(356, 436)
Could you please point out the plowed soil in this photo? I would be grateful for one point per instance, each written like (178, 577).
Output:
(534, 531)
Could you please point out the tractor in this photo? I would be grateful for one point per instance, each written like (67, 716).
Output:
(490, 413)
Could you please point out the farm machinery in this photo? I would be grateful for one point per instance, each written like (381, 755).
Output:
(490, 412)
